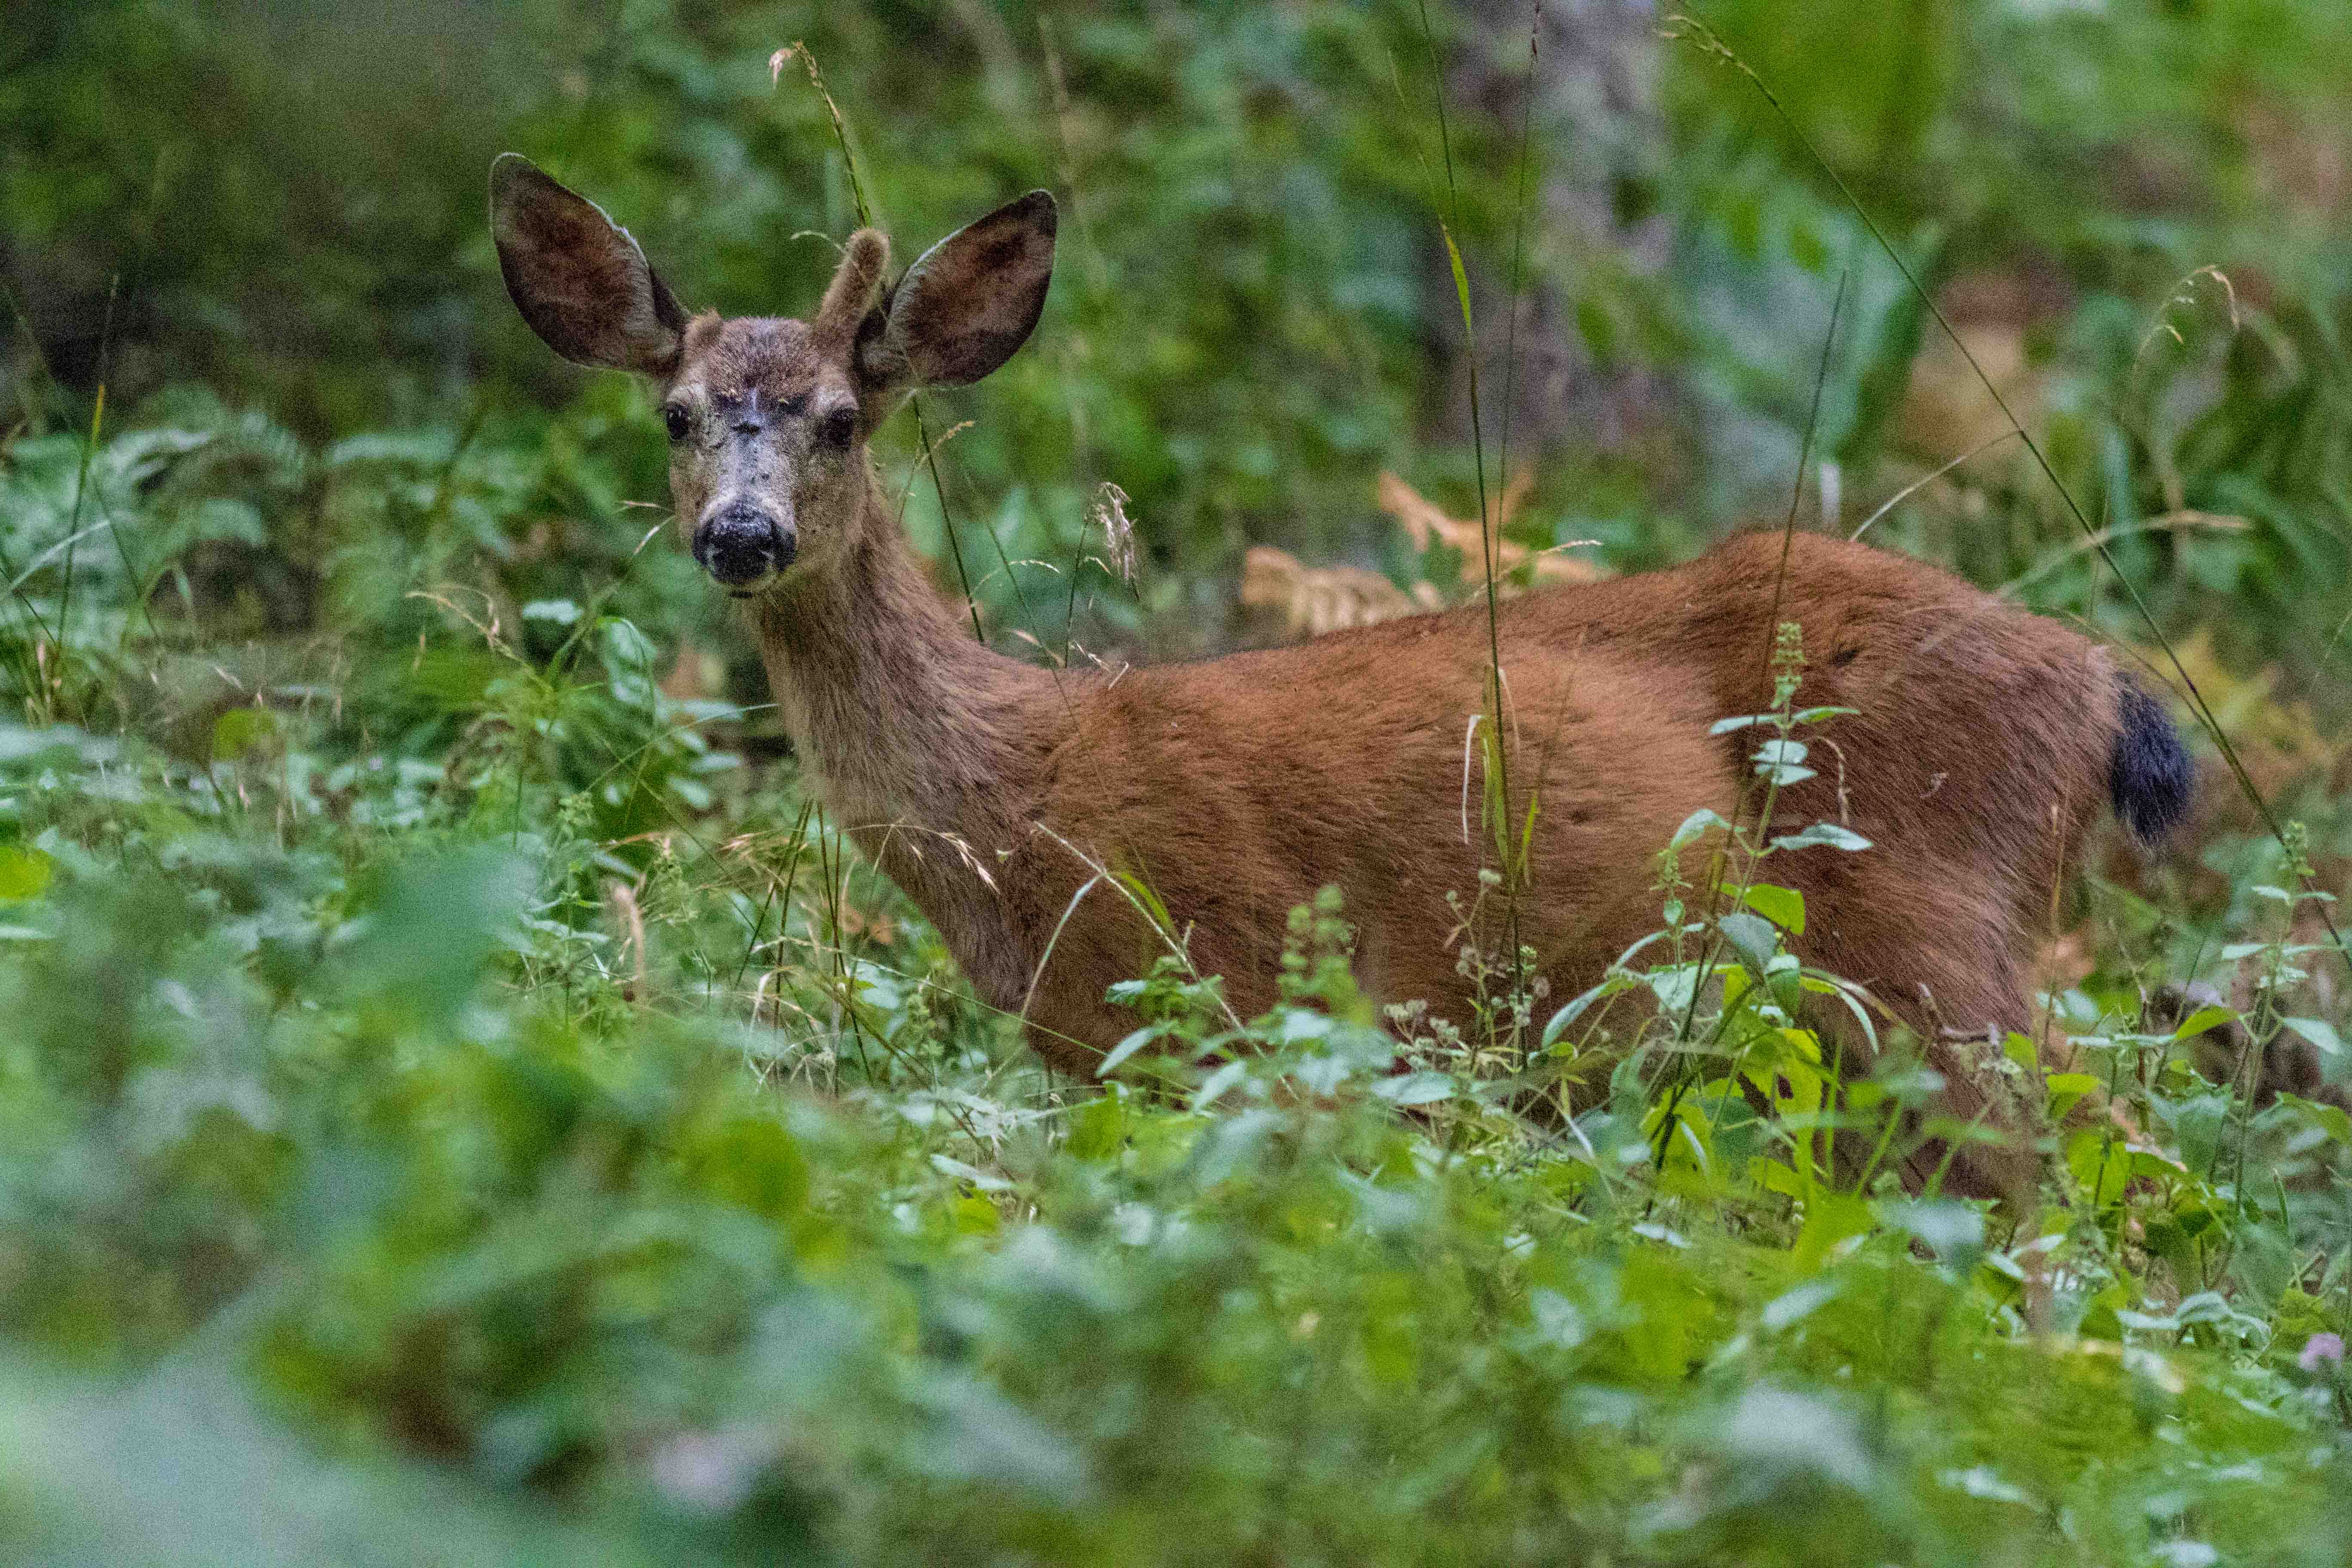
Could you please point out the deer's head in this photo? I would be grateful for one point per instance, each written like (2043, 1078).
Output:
(769, 417)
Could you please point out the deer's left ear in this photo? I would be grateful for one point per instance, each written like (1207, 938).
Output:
(966, 304)
(578, 277)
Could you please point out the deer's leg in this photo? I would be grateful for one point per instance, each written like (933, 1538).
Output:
(1961, 1014)
(1953, 975)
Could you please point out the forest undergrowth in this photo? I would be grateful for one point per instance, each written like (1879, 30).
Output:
(461, 1101)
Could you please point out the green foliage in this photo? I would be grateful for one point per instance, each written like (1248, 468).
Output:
(456, 1091)
(426, 1204)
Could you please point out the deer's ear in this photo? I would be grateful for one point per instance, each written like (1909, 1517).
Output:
(577, 277)
(967, 302)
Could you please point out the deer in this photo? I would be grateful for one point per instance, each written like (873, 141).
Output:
(1983, 743)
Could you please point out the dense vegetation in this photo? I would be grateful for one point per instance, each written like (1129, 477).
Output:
(459, 1102)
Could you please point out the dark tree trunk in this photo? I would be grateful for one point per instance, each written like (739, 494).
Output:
(1591, 244)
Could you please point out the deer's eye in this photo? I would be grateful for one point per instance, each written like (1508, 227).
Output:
(675, 418)
(837, 427)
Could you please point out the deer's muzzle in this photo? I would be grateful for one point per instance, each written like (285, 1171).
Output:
(740, 544)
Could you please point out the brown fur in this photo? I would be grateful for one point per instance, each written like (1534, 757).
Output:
(1238, 788)
(992, 790)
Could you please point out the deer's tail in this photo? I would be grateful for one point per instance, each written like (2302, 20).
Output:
(2149, 776)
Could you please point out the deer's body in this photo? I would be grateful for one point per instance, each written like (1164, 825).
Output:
(996, 792)
(990, 789)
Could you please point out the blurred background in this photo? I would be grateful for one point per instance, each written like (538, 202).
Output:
(2132, 210)
(404, 885)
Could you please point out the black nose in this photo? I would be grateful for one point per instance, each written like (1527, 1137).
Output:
(742, 544)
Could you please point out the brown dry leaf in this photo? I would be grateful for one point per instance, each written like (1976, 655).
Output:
(877, 929)
(1426, 524)
(1313, 600)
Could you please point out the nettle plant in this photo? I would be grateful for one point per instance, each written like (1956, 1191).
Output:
(2207, 1165)
(1725, 1079)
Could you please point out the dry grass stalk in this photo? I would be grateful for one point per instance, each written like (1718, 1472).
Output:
(631, 919)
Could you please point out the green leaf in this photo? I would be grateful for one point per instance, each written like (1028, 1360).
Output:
(1782, 762)
(2320, 1032)
(949, 1165)
(1754, 938)
(1824, 835)
(240, 730)
(1099, 1127)
(1947, 1226)
(1829, 1218)
(625, 647)
(1697, 823)
(1784, 907)
(1674, 984)
(2101, 1164)
(751, 1162)
(1217, 1082)
(2204, 1018)
(1575, 1009)
(1461, 281)
(1558, 1320)
(1795, 1305)
(25, 872)
(428, 925)
(1126, 1048)
(1415, 1089)
(2066, 1088)
(2330, 1119)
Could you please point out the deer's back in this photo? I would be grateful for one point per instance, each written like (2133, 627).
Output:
(1236, 787)
(1973, 718)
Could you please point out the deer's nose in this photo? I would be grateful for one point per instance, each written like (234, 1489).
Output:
(739, 544)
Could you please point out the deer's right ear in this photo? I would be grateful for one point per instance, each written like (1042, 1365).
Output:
(578, 277)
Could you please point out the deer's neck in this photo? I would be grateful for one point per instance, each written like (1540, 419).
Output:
(930, 749)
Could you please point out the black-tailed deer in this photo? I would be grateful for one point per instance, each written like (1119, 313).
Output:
(1983, 743)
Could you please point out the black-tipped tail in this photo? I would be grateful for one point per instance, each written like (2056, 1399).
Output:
(2150, 777)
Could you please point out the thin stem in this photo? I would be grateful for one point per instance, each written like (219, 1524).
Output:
(1518, 250)
(1486, 522)
(947, 517)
